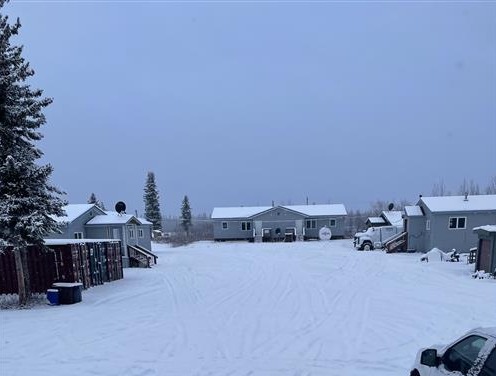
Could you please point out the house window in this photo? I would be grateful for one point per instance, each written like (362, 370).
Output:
(311, 223)
(224, 226)
(428, 224)
(141, 233)
(131, 233)
(246, 226)
(332, 223)
(78, 235)
(457, 222)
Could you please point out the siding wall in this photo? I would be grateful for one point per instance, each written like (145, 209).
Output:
(337, 230)
(444, 238)
(416, 233)
(103, 231)
(233, 231)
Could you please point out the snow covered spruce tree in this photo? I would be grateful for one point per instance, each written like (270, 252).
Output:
(27, 199)
(152, 206)
(186, 215)
(97, 202)
(92, 199)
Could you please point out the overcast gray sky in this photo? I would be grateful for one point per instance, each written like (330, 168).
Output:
(242, 103)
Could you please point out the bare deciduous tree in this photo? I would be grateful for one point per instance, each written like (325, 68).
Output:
(491, 188)
(439, 189)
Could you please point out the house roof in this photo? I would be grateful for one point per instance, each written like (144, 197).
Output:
(487, 228)
(73, 211)
(413, 211)
(395, 217)
(77, 241)
(114, 218)
(459, 204)
(143, 221)
(318, 210)
(376, 220)
(238, 212)
(111, 218)
(250, 211)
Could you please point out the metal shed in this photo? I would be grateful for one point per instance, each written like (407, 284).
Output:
(486, 249)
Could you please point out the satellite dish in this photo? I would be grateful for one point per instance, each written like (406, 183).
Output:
(120, 207)
(391, 206)
(325, 233)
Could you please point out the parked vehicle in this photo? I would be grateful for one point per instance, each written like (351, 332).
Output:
(375, 237)
(472, 354)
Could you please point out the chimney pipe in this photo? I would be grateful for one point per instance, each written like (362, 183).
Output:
(466, 196)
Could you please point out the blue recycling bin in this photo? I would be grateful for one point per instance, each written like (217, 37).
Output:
(69, 293)
(53, 296)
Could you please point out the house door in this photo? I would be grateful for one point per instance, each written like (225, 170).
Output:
(258, 228)
(485, 255)
(299, 229)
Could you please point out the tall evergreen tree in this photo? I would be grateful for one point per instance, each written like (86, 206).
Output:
(27, 199)
(152, 206)
(97, 202)
(92, 199)
(186, 215)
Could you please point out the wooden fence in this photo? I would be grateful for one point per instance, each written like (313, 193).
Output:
(87, 261)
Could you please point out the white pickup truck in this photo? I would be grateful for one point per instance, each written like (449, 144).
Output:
(375, 237)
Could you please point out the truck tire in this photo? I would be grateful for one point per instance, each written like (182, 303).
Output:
(367, 247)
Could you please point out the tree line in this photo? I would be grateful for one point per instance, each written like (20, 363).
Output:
(469, 187)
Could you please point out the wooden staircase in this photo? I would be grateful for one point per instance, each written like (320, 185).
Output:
(140, 257)
(153, 257)
(397, 243)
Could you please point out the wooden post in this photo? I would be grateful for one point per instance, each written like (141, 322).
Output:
(21, 286)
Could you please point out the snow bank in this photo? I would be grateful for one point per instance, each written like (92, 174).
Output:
(265, 309)
(435, 254)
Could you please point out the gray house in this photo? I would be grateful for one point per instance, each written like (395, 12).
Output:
(267, 223)
(88, 221)
(446, 222)
(486, 249)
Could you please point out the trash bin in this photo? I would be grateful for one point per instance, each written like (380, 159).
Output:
(53, 296)
(69, 293)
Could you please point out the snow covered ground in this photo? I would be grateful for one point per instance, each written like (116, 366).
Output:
(314, 308)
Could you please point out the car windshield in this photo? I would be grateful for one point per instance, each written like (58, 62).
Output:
(461, 357)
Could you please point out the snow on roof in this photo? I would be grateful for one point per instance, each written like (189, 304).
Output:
(249, 211)
(395, 217)
(488, 228)
(143, 221)
(73, 211)
(238, 212)
(413, 211)
(111, 218)
(77, 241)
(376, 220)
(317, 210)
(459, 204)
